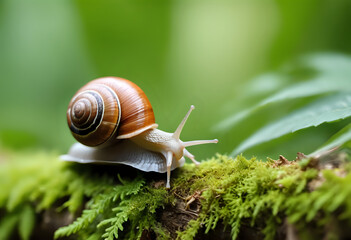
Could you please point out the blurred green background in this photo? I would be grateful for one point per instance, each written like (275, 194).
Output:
(179, 52)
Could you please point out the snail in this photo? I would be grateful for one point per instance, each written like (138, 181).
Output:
(114, 123)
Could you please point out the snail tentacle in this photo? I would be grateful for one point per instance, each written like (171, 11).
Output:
(191, 157)
(199, 142)
(177, 132)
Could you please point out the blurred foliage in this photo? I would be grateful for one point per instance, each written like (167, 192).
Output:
(179, 52)
(328, 86)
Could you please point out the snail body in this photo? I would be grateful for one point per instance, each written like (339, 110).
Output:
(114, 123)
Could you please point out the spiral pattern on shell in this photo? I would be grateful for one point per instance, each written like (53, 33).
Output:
(107, 109)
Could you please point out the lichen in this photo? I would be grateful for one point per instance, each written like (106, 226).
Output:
(122, 203)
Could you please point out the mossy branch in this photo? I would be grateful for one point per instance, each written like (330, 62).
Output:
(223, 197)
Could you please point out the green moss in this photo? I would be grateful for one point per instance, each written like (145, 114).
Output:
(110, 203)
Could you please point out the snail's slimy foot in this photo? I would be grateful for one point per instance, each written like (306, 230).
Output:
(169, 159)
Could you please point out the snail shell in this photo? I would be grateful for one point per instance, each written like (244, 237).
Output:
(107, 109)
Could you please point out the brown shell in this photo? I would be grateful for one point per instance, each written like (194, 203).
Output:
(109, 108)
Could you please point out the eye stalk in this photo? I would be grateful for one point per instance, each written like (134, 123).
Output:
(177, 133)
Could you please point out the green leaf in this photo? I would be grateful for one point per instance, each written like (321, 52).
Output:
(328, 63)
(340, 138)
(7, 226)
(19, 192)
(26, 222)
(317, 86)
(327, 109)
